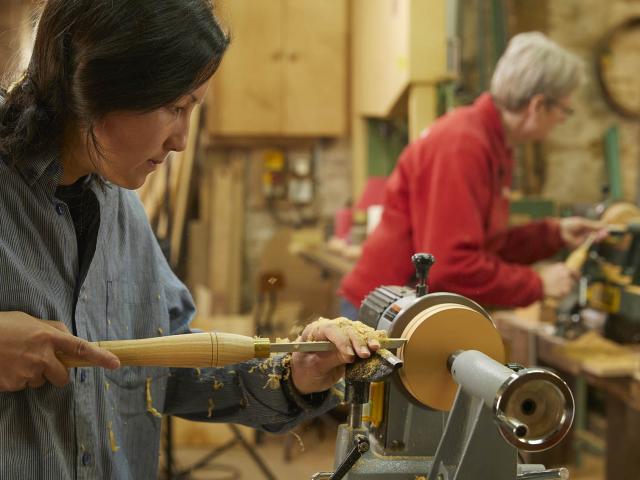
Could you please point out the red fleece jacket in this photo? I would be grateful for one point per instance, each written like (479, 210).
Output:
(448, 196)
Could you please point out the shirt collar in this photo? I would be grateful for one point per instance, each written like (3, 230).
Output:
(36, 166)
(490, 116)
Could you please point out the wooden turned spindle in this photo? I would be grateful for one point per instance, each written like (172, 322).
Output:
(193, 350)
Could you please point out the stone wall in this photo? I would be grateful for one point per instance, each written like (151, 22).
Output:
(575, 166)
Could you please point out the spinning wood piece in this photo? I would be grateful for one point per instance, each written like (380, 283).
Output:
(432, 336)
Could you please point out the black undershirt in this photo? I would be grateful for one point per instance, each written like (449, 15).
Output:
(85, 213)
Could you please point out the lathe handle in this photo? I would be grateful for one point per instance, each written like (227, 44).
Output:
(192, 350)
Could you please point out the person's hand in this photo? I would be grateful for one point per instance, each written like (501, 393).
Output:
(575, 230)
(28, 349)
(316, 372)
(557, 280)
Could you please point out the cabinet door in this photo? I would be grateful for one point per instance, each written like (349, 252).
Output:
(246, 92)
(315, 67)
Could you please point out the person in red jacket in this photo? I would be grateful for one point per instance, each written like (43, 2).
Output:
(449, 193)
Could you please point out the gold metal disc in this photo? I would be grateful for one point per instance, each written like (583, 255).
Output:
(432, 336)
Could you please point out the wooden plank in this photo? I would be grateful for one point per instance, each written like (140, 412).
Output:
(226, 231)
(184, 164)
(238, 161)
(219, 232)
(198, 254)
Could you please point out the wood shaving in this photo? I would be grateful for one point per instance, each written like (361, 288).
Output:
(198, 371)
(364, 332)
(217, 385)
(106, 386)
(273, 382)
(421, 477)
(282, 340)
(298, 438)
(160, 331)
(266, 365)
(210, 409)
(112, 438)
(286, 365)
(296, 330)
(253, 369)
(150, 408)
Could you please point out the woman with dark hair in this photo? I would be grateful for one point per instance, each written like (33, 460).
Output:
(106, 97)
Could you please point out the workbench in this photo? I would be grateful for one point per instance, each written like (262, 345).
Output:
(531, 342)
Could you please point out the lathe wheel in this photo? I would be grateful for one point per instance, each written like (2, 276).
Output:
(432, 336)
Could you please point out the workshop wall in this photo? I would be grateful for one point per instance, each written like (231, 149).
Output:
(575, 167)
(268, 240)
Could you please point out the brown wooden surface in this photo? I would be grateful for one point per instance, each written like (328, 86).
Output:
(285, 72)
(623, 439)
(332, 262)
(246, 91)
(315, 68)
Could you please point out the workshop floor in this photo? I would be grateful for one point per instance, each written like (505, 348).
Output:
(236, 464)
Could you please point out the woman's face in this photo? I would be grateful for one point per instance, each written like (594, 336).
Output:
(135, 144)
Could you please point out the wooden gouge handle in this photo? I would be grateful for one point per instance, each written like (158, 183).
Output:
(193, 350)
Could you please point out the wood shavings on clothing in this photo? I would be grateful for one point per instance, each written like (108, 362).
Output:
(112, 438)
(150, 408)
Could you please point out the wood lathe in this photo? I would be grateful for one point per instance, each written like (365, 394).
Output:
(447, 406)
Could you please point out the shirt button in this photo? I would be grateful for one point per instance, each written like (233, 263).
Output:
(83, 375)
(59, 209)
(86, 458)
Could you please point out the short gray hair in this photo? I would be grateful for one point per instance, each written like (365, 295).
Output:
(532, 65)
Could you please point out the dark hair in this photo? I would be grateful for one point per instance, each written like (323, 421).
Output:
(92, 57)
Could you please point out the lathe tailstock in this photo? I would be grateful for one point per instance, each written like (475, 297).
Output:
(445, 406)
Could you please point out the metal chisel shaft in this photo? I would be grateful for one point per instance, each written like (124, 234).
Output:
(325, 346)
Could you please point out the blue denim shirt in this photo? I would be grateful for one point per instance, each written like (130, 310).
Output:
(105, 424)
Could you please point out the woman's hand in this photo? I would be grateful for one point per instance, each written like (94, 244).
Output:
(28, 349)
(316, 372)
(575, 230)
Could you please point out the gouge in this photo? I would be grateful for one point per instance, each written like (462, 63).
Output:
(200, 350)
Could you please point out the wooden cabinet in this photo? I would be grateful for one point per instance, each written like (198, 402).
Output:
(285, 72)
(399, 54)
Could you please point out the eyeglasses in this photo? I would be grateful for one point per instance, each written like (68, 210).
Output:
(568, 111)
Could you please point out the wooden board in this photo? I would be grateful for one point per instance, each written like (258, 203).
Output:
(226, 231)
(183, 171)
